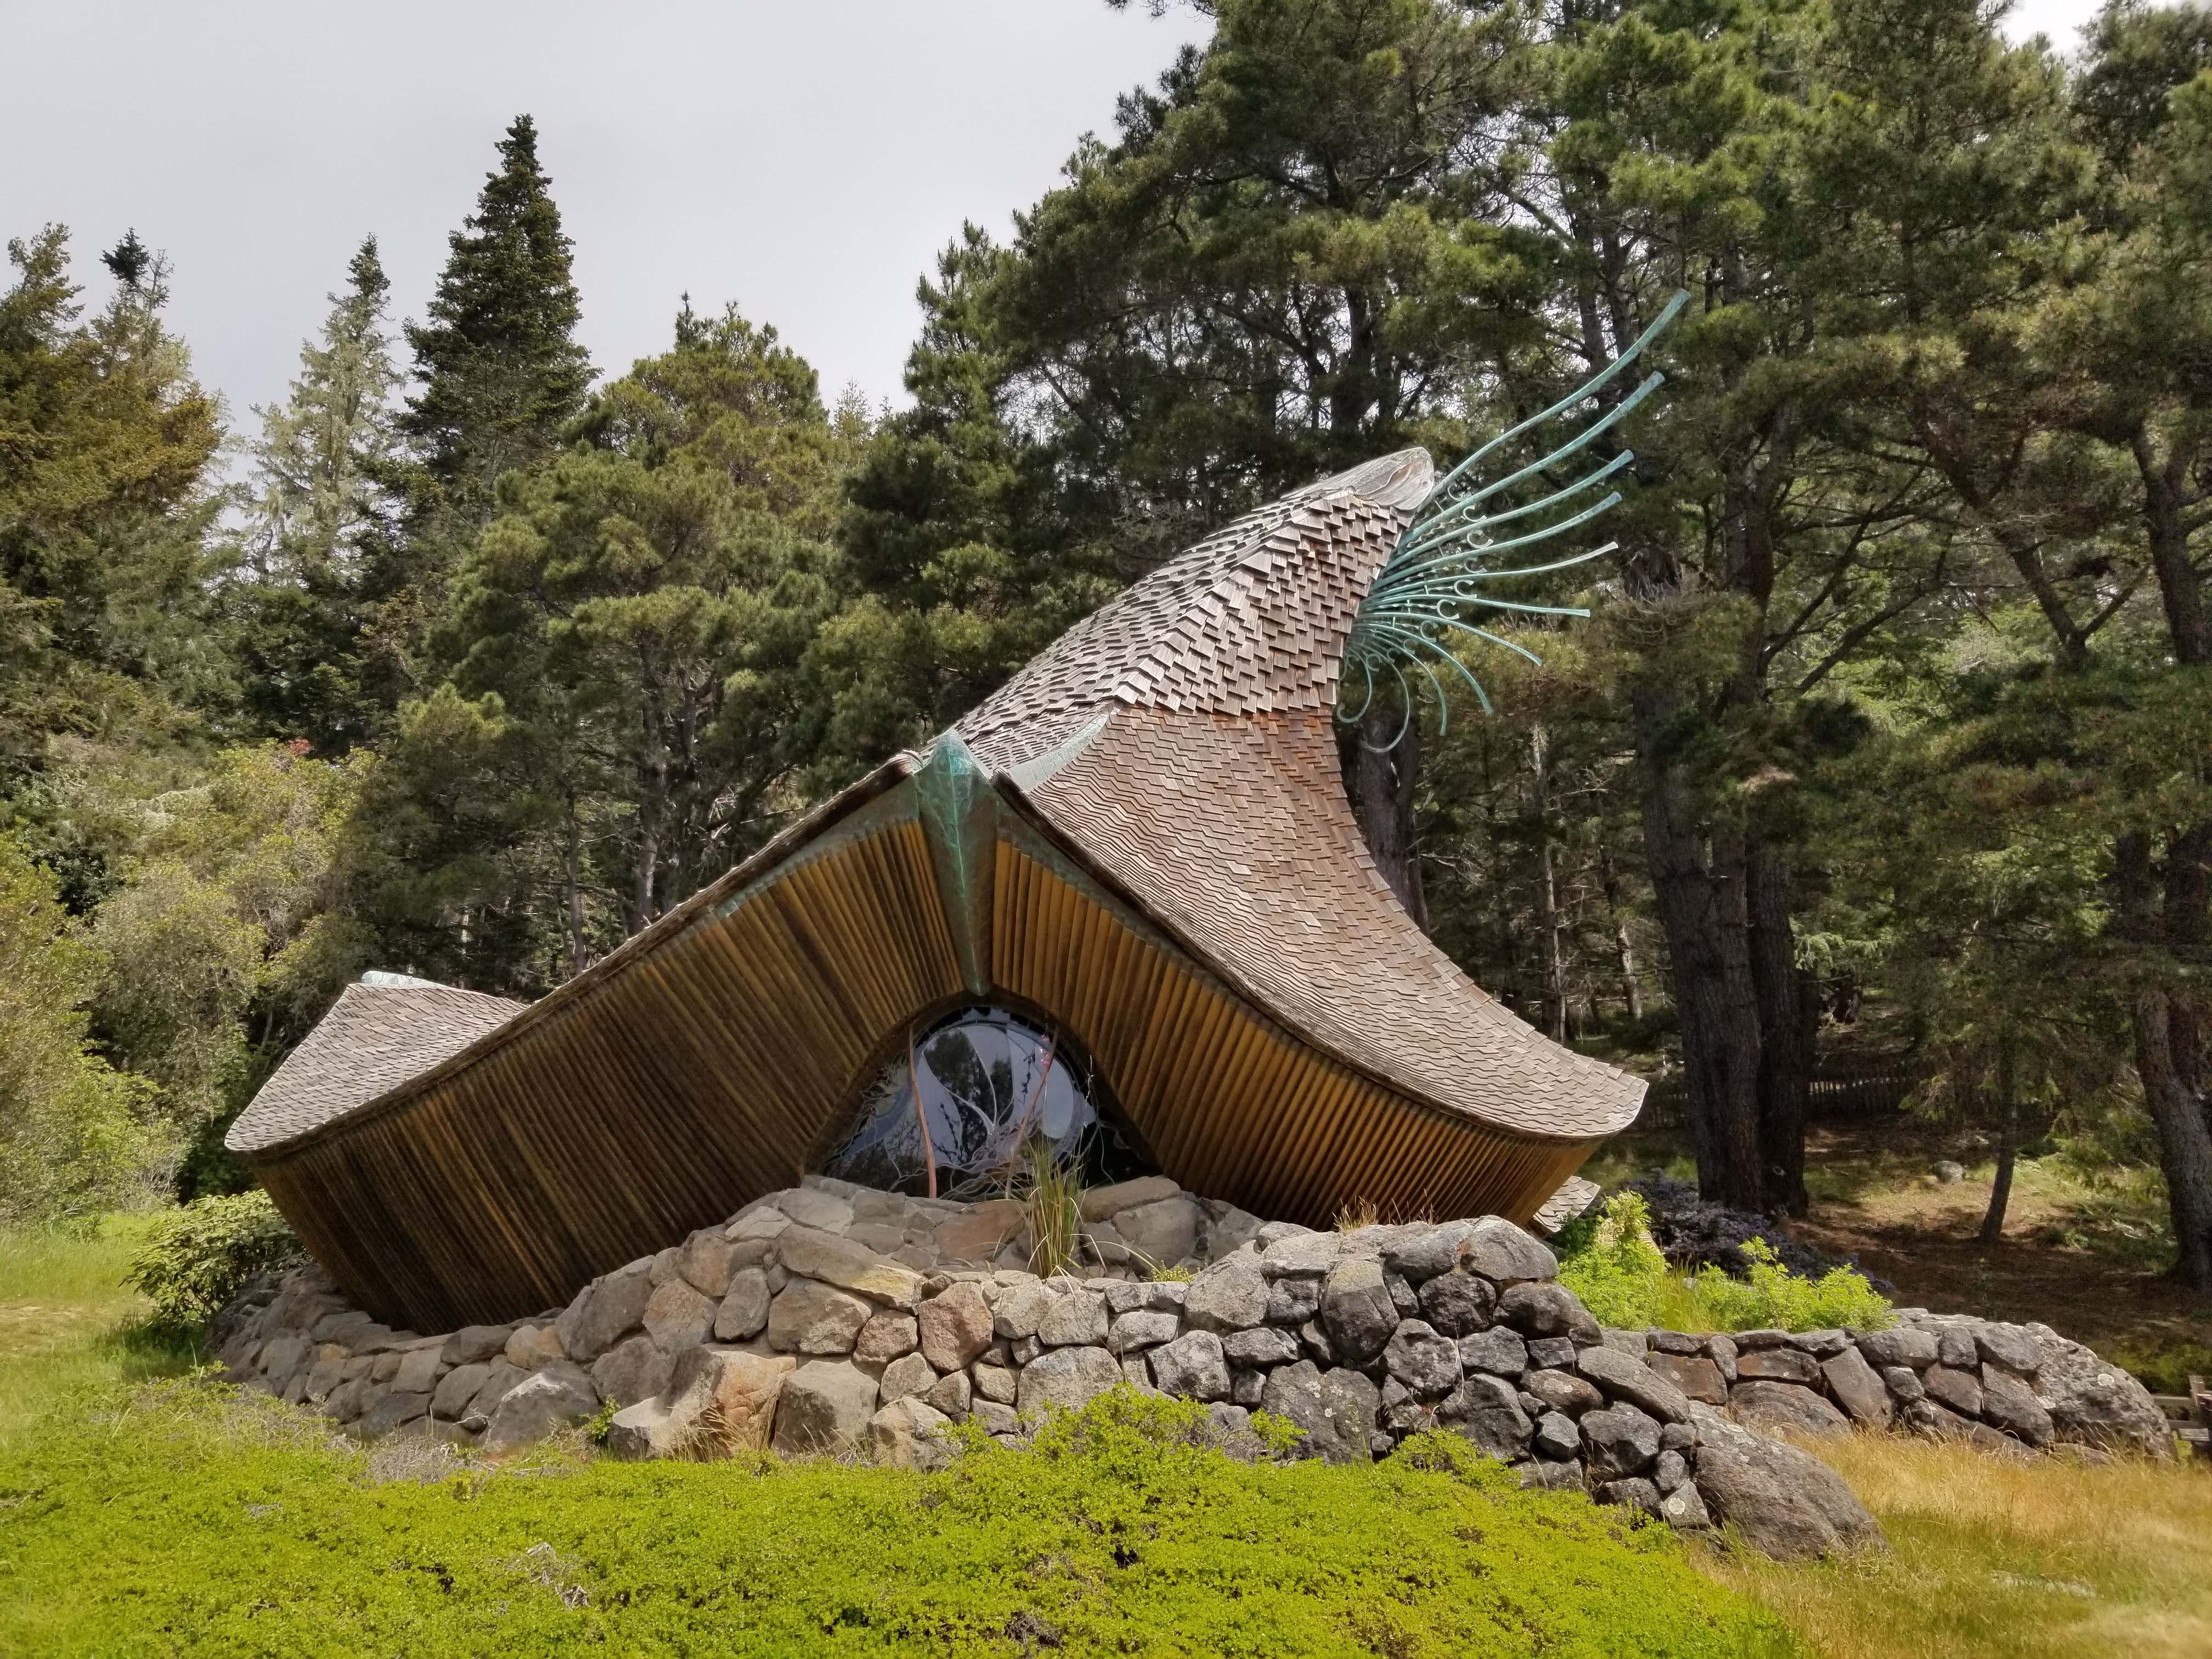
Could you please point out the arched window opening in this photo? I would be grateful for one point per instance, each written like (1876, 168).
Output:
(989, 1082)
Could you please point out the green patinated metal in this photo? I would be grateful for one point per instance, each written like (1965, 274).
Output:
(1434, 577)
(959, 817)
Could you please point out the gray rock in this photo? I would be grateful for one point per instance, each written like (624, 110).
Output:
(1556, 1436)
(1675, 1342)
(1314, 1341)
(1671, 1469)
(1633, 1493)
(1145, 1328)
(1457, 1304)
(1721, 1350)
(1956, 1386)
(1356, 1310)
(810, 1206)
(1272, 1232)
(1486, 1411)
(1955, 1348)
(1759, 1340)
(1023, 1351)
(999, 1384)
(1948, 1172)
(1774, 1408)
(1677, 1437)
(1229, 1429)
(1856, 1388)
(1246, 1388)
(1498, 1250)
(389, 1412)
(1402, 1295)
(810, 1317)
(1634, 1344)
(1632, 1379)
(997, 1419)
(1684, 1509)
(708, 1261)
(1618, 1442)
(1425, 1362)
(1787, 1502)
(1778, 1365)
(1821, 1344)
(637, 1367)
(2013, 1347)
(1427, 1251)
(1232, 1295)
(951, 1394)
(1293, 1301)
(887, 1336)
(678, 1316)
(1104, 1203)
(457, 1389)
(1020, 1309)
(1697, 1376)
(1229, 1232)
(1260, 1348)
(541, 1403)
(2011, 1405)
(1903, 1345)
(1164, 1231)
(824, 1406)
(908, 1376)
(1548, 1475)
(810, 1253)
(1562, 1391)
(1068, 1379)
(2093, 1402)
(1335, 1411)
(1076, 1320)
(744, 1312)
(1155, 1296)
(418, 1371)
(1904, 1382)
(499, 1377)
(1301, 1253)
(473, 1343)
(1192, 1367)
(1546, 1310)
(906, 1434)
(956, 1327)
(1500, 1352)
(605, 1310)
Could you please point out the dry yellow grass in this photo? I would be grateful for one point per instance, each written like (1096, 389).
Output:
(2026, 1560)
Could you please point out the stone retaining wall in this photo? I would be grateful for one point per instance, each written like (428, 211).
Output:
(831, 1318)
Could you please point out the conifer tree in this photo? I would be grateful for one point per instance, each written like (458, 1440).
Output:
(320, 516)
(500, 371)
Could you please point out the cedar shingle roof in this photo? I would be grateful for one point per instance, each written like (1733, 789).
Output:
(375, 1038)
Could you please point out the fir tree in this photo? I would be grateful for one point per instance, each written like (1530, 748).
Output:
(319, 517)
(500, 371)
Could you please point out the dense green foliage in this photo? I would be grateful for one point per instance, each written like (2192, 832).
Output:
(1610, 1261)
(199, 1255)
(234, 1525)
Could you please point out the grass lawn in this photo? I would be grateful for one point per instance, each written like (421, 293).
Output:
(165, 1517)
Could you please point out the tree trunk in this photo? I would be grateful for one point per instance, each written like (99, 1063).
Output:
(1701, 901)
(1785, 1049)
(2162, 1041)
(1383, 782)
(2008, 1143)
(1631, 989)
(1548, 895)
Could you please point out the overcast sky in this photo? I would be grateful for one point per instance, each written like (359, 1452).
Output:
(806, 160)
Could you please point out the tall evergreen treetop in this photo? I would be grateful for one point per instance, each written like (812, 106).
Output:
(500, 371)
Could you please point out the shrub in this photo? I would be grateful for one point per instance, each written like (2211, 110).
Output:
(202, 1254)
(1611, 1263)
(1774, 1299)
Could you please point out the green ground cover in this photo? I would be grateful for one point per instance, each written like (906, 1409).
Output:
(177, 1517)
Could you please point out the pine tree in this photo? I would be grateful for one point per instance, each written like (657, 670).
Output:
(500, 371)
(320, 515)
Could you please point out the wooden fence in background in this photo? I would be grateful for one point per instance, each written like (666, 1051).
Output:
(1839, 1092)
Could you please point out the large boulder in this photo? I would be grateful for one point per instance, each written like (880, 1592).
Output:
(678, 1315)
(1337, 1411)
(1542, 1308)
(1064, 1379)
(813, 1318)
(543, 1402)
(605, 1310)
(634, 1368)
(1457, 1304)
(1425, 1361)
(2094, 1402)
(1785, 1407)
(1618, 1442)
(1785, 1501)
(1858, 1390)
(814, 1254)
(1076, 1320)
(823, 1406)
(1498, 1250)
(1624, 1378)
(1192, 1367)
(1164, 1231)
(1486, 1411)
(1357, 1310)
(1230, 1296)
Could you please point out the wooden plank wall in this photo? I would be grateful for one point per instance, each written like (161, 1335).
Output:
(699, 1079)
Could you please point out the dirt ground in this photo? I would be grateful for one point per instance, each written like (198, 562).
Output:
(1873, 1197)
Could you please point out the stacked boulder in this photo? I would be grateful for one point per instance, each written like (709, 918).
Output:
(830, 1318)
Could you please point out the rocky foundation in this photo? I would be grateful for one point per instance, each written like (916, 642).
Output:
(830, 1318)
